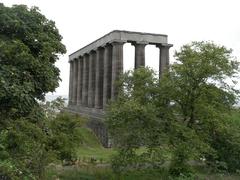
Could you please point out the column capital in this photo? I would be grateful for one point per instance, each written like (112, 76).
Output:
(92, 52)
(107, 45)
(114, 42)
(164, 45)
(70, 62)
(85, 54)
(144, 43)
(96, 49)
(80, 57)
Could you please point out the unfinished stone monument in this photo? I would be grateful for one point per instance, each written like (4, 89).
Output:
(95, 68)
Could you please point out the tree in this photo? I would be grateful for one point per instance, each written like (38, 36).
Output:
(29, 47)
(133, 124)
(202, 96)
(27, 146)
(198, 81)
(185, 112)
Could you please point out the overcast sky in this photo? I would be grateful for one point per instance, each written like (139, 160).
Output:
(82, 21)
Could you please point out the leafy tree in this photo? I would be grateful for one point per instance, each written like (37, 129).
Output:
(25, 144)
(201, 95)
(29, 47)
(198, 81)
(52, 108)
(185, 112)
(132, 122)
(29, 144)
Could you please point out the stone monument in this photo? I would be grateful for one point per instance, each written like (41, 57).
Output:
(95, 68)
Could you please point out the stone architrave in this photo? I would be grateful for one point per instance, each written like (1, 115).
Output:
(117, 35)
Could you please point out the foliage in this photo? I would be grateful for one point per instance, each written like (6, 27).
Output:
(29, 47)
(226, 142)
(133, 109)
(24, 147)
(202, 97)
(62, 129)
(199, 79)
(133, 123)
(64, 136)
(28, 145)
(185, 112)
(52, 108)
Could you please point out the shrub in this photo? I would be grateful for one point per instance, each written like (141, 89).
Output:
(64, 135)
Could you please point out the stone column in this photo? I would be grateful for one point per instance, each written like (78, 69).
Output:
(81, 79)
(85, 79)
(70, 93)
(92, 78)
(139, 54)
(117, 66)
(99, 78)
(79, 87)
(75, 77)
(163, 57)
(107, 76)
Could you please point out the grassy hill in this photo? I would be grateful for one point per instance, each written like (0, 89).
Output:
(91, 148)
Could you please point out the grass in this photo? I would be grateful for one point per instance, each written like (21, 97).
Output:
(96, 153)
(103, 173)
(100, 154)
(91, 148)
(89, 139)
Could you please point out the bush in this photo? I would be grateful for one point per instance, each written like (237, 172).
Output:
(23, 150)
(179, 165)
(64, 135)
(29, 144)
(226, 143)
